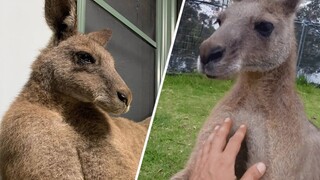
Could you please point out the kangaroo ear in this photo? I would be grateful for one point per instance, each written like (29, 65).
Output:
(62, 18)
(290, 6)
(101, 37)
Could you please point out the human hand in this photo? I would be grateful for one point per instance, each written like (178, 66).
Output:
(216, 160)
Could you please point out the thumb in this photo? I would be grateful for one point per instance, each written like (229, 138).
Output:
(255, 172)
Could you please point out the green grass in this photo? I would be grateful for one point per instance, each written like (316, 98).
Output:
(185, 102)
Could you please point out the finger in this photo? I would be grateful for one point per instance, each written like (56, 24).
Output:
(205, 150)
(199, 160)
(255, 172)
(234, 144)
(208, 142)
(220, 139)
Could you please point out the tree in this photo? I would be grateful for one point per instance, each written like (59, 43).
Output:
(195, 25)
(309, 16)
(310, 11)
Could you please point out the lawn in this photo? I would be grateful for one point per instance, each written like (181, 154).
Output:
(185, 102)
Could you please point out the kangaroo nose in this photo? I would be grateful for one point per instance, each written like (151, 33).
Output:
(215, 55)
(123, 97)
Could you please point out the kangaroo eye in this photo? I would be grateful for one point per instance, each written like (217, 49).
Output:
(83, 58)
(264, 28)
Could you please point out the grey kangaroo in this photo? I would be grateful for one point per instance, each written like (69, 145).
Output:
(256, 43)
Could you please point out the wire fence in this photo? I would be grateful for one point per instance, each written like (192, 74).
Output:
(197, 24)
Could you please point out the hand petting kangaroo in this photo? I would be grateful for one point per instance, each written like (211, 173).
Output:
(60, 125)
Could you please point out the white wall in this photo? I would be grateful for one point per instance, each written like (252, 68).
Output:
(23, 32)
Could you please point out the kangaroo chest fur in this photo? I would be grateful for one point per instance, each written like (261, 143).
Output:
(84, 144)
(106, 160)
(106, 150)
(274, 134)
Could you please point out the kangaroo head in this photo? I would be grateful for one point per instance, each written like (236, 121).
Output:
(78, 65)
(254, 36)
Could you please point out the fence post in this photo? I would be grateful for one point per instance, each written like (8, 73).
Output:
(301, 44)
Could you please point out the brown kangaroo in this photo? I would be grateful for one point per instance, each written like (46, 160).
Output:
(256, 42)
(59, 126)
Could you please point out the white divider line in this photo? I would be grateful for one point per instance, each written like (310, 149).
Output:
(159, 92)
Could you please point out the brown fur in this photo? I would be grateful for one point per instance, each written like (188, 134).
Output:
(59, 126)
(264, 96)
